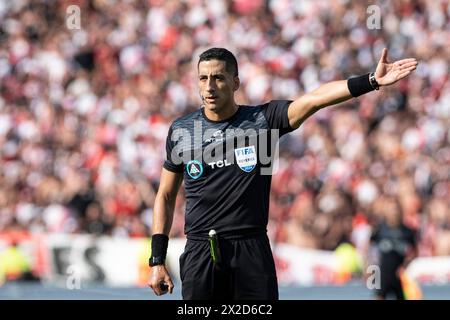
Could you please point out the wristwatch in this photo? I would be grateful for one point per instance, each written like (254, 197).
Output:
(373, 81)
(155, 261)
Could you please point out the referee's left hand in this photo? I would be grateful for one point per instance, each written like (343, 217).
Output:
(389, 73)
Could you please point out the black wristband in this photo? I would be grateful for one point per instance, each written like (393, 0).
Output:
(359, 85)
(159, 249)
(373, 81)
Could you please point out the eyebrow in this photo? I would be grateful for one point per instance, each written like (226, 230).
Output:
(213, 75)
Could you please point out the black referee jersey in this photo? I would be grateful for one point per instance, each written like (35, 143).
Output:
(226, 166)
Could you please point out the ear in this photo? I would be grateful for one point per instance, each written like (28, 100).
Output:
(237, 83)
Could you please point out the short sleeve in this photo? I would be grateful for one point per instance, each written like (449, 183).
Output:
(170, 163)
(276, 114)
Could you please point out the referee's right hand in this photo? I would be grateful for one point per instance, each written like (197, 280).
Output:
(160, 280)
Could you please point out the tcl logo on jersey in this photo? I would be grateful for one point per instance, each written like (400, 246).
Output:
(219, 164)
(246, 158)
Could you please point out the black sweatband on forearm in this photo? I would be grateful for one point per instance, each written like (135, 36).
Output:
(359, 85)
(159, 246)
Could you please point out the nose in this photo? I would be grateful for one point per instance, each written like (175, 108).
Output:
(210, 85)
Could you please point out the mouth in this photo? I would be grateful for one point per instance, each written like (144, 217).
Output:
(211, 99)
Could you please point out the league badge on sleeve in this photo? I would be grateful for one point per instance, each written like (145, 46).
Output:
(246, 158)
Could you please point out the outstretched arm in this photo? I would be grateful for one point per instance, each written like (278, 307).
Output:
(335, 92)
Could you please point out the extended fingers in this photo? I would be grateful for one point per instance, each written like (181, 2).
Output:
(405, 68)
(404, 73)
(406, 61)
(383, 58)
(409, 65)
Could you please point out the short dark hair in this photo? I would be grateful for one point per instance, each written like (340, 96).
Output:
(221, 54)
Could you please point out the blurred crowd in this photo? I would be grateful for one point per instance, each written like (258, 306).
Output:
(84, 113)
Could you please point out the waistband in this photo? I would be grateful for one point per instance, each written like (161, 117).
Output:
(238, 235)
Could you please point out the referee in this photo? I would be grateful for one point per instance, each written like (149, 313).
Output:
(227, 253)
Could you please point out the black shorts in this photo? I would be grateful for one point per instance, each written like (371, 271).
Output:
(390, 285)
(246, 270)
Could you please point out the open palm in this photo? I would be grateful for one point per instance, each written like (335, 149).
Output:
(389, 73)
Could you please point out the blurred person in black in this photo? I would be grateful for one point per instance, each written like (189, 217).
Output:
(231, 196)
(396, 247)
